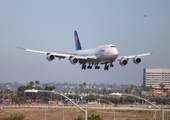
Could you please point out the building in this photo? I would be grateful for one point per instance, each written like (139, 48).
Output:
(155, 76)
(160, 93)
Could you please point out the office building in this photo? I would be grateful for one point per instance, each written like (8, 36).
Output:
(155, 76)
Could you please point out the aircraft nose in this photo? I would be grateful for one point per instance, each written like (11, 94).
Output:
(115, 51)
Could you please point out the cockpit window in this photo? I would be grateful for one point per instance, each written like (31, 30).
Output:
(112, 46)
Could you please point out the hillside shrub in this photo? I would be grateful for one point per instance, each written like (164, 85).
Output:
(14, 117)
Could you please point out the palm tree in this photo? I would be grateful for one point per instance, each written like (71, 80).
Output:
(84, 84)
(81, 86)
(161, 86)
(37, 82)
(31, 83)
(143, 86)
(104, 91)
(53, 87)
(111, 86)
(91, 89)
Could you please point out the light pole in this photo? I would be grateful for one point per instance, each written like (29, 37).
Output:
(63, 111)
(45, 112)
(37, 91)
(155, 114)
(147, 102)
(142, 99)
(110, 103)
(162, 111)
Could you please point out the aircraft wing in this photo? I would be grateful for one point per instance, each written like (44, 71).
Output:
(133, 56)
(61, 54)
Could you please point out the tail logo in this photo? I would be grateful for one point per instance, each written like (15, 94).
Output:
(77, 42)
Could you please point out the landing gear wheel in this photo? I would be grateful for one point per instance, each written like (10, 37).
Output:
(111, 65)
(83, 67)
(97, 67)
(106, 67)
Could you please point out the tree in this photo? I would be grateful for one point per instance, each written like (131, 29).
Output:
(143, 86)
(165, 90)
(21, 95)
(91, 89)
(31, 83)
(44, 84)
(95, 117)
(37, 82)
(81, 86)
(50, 88)
(14, 117)
(111, 86)
(161, 86)
(53, 87)
(79, 118)
(84, 84)
(129, 89)
(104, 91)
(92, 117)
(168, 94)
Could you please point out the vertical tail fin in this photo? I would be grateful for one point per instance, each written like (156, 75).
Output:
(77, 42)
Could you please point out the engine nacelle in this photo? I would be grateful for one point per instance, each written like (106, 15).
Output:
(50, 57)
(123, 62)
(74, 60)
(136, 60)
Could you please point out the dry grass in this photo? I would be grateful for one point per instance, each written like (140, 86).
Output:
(71, 113)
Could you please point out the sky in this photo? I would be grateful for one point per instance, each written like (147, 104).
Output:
(133, 26)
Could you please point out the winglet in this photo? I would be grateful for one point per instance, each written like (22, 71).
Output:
(30, 50)
(77, 42)
(151, 52)
(21, 48)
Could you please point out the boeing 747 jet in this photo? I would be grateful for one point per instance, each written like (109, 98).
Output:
(101, 55)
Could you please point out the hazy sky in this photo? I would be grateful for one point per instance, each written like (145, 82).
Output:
(134, 26)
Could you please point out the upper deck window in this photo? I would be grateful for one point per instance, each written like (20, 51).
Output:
(112, 46)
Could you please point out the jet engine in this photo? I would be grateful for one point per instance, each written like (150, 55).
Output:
(74, 60)
(123, 62)
(50, 57)
(136, 60)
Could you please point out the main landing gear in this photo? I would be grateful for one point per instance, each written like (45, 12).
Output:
(83, 66)
(88, 67)
(97, 67)
(106, 67)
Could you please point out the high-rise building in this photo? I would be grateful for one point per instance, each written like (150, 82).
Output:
(155, 76)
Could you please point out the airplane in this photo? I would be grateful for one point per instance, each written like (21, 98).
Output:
(104, 55)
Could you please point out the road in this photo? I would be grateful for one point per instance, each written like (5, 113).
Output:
(83, 106)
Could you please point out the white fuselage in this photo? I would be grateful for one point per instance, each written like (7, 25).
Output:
(104, 52)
